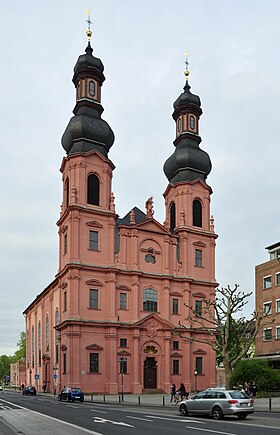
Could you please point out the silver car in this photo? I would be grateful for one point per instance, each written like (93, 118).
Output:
(217, 403)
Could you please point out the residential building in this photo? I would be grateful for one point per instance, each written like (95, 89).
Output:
(268, 300)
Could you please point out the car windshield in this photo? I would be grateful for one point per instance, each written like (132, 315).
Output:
(238, 395)
(76, 390)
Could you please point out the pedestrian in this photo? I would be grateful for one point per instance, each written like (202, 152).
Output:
(254, 389)
(182, 391)
(44, 387)
(172, 392)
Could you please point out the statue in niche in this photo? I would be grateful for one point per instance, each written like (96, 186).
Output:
(149, 207)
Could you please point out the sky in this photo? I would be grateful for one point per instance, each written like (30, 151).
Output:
(234, 68)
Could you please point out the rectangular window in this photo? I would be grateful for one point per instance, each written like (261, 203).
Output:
(277, 278)
(175, 306)
(267, 282)
(199, 364)
(175, 345)
(198, 257)
(267, 334)
(123, 301)
(277, 307)
(65, 301)
(277, 333)
(65, 243)
(64, 363)
(198, 308)
(267, 308)
(93, 240)
(123, 365)
(93, 299)
(123, 342)
(175, 367)
(94, 362)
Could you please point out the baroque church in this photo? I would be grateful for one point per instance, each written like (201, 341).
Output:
(117, 315)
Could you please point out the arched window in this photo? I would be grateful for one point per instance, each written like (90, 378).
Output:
(192, 122)
(56, 335)
(32, 346)
(47, 334)
(197, 213)
(150, 300)
(172, 216)
(39, 343)
(91, 88)
(67, 192)
(93, 189)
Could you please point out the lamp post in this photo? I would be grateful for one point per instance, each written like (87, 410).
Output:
(55, 377)
(121, 360)
(195, 380)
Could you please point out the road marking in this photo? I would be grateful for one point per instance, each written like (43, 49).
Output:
(97, 410)
(138, 418)
(209, 430)
(176, 419)
(104, 420)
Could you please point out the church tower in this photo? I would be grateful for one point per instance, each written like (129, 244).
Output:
(187, 197)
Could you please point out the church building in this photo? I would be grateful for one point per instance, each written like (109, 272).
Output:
(111, 319)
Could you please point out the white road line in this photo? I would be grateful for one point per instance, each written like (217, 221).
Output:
(176, 419)
(138, 418)
(209, 430)
(97, 410)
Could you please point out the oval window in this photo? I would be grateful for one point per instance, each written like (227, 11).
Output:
(91, 88)
(179, 125)
(192, 122)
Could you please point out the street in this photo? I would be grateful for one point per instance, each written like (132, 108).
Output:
(54, 417)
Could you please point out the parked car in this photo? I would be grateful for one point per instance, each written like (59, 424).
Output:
(29, 391)
(217, 403)
(71, 394)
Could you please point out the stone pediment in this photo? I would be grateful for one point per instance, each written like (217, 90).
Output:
(199, 352)
(124, 353)
(151, 224)
(94, 347)
(177, 355)
(199, 295)
(153, 322)
(200, 244)
(94, 224)
(94, 282)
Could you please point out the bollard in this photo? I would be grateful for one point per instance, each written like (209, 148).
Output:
(91, 397)
(104, 398)
(269, 404)
(163, 401)
(138, 400)
(119, 398)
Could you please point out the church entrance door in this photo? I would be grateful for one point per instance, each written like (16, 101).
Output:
(150, 373)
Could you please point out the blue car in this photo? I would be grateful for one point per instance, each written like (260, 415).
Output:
(71, 394)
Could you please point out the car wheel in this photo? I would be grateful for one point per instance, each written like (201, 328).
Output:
(73, 400)
(68, 398)
(59, 398)
(217, 413)
(183, 410)
(82, 400)
(242, 416)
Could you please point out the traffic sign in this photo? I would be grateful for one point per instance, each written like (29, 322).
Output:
(37, 377)
(55, 376)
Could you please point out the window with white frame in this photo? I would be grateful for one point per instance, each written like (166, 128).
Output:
(267, 307)
(267, 334)
(277, 278)
(267, 282)
(277, 306)
(277, 333)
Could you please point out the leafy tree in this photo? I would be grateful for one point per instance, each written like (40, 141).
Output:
(5, 362)
(226, 327)
(258, 371)
(21, 351)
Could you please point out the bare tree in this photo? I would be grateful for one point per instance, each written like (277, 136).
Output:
(226, 326)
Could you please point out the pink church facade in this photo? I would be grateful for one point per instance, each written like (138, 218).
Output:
(111, 319)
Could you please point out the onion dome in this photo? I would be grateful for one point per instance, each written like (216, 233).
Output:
(188, 162)
(86, 131)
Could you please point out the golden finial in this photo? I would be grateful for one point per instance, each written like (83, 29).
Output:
(187, 72)
(89, 32)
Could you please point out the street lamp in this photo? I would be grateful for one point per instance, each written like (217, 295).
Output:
(55, 377)
(122, 360)
(195, 380)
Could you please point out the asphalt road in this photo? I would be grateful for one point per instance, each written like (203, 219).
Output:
(54, 417)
